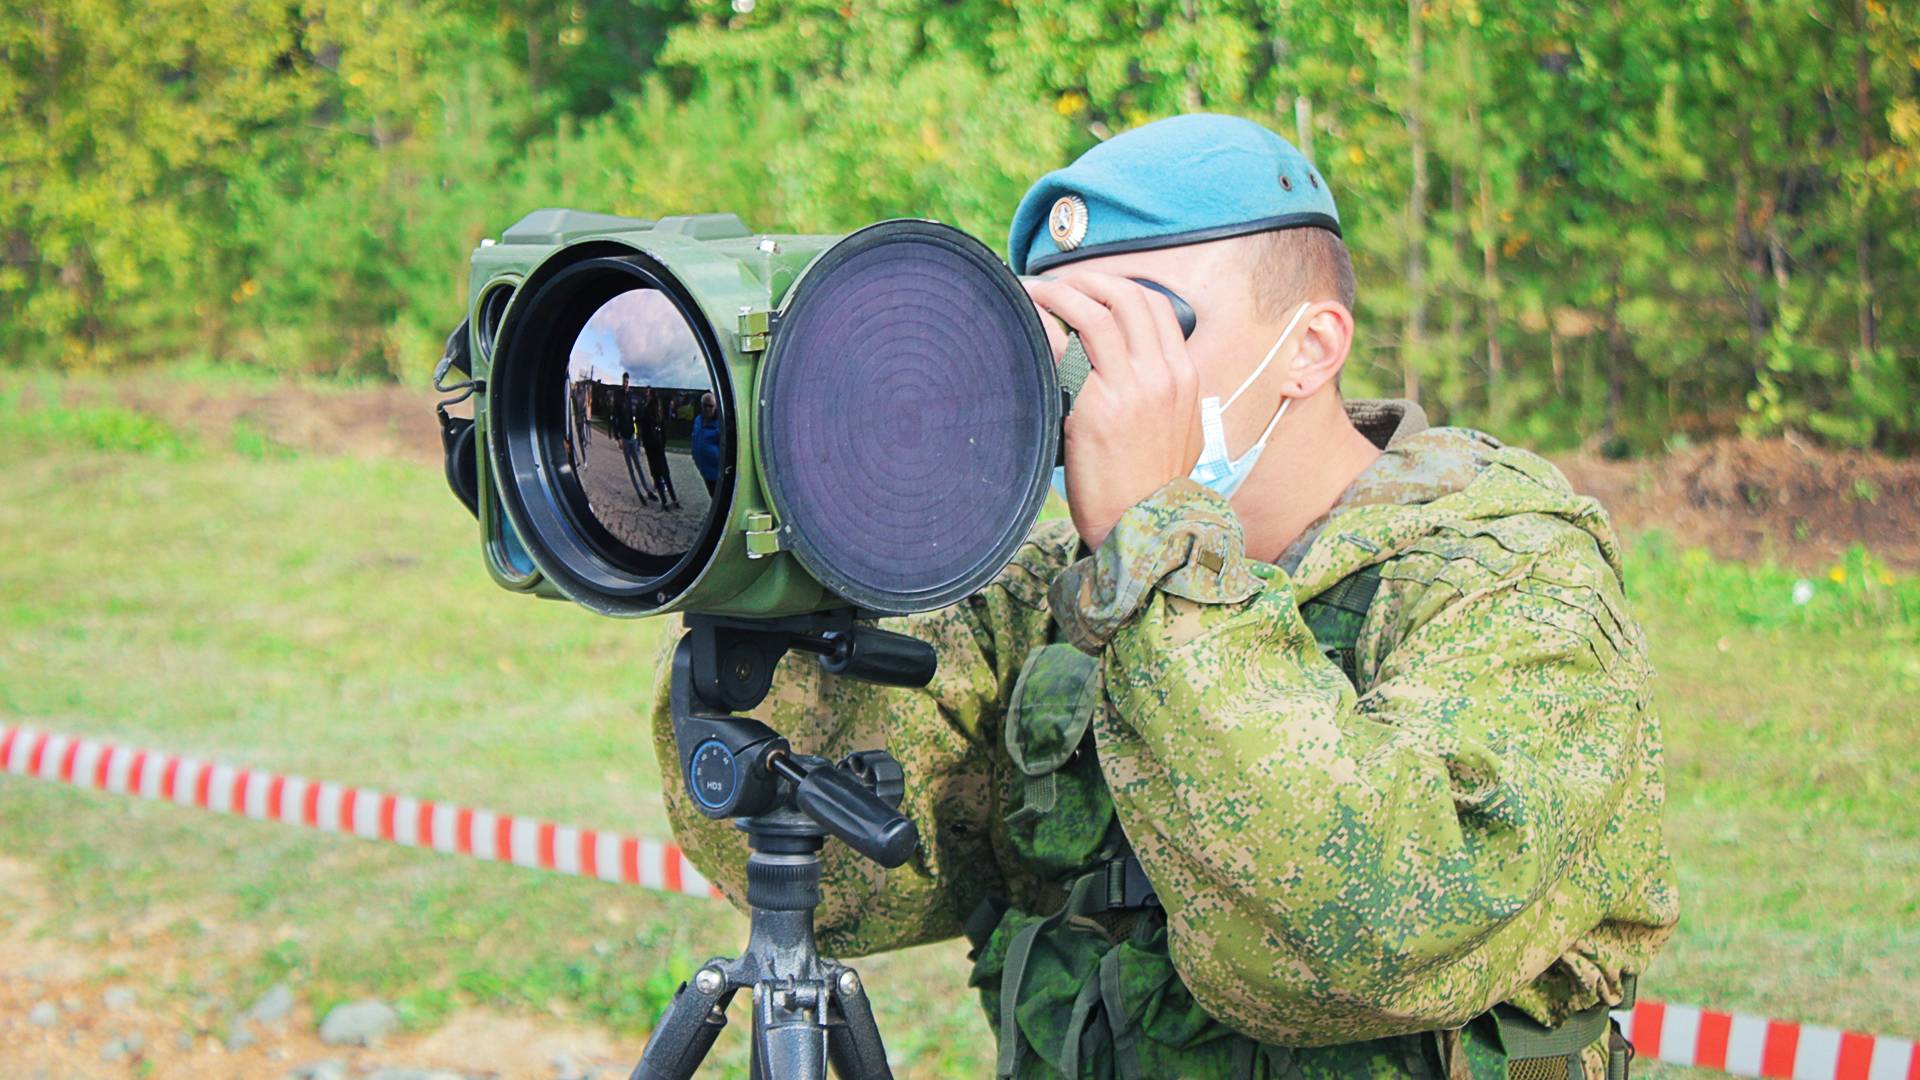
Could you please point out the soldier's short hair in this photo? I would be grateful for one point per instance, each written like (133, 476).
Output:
(1291, 266)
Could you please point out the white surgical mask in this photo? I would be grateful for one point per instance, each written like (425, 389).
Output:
(1217, 469)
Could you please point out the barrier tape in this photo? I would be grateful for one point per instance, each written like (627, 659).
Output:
(339, 808)
(1755, 1046)
(1678, 1034)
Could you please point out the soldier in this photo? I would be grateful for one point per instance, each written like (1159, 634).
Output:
(628, 418)
(706, 440)
(1318, 742)
(653, 419)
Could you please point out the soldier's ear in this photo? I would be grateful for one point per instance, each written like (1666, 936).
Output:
(1326, 339)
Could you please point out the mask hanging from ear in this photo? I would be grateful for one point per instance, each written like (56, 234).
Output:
(1216, 469)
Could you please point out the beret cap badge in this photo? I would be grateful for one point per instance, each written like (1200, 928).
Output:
(1067, 222)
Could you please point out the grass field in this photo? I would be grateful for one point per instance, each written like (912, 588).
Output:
(329, 616)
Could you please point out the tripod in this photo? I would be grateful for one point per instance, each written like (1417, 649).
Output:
(809, 1012)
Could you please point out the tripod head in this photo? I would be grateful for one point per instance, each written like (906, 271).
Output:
(738, 767)
(809, 1013)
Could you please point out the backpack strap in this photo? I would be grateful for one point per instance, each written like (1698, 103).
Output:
(1534, 1050)
(1336, 616)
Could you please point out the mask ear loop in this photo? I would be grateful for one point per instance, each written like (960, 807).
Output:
(1261, 443)
(1252, 453)
(1271, 353)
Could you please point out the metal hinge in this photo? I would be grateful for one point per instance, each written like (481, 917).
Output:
(763, 535)
(753, 329)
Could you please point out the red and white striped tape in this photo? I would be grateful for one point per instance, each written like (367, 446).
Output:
(1755, 1046)
(1678, 1034)
(362, 812)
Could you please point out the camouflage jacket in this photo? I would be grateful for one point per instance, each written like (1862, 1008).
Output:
(1478, 822)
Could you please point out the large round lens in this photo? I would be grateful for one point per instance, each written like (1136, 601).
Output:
(909, 417)
(610, 429)
(642, 431)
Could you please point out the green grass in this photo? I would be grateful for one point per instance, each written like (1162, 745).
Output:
(101, 427)
(330, 617)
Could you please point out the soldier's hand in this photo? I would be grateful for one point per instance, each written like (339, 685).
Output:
(1136, 423)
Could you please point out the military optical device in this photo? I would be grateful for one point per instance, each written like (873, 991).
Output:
(684, 415)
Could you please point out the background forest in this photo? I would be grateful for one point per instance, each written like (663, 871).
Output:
(1620, 223)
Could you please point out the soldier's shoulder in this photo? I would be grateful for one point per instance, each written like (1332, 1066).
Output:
(1553, 576)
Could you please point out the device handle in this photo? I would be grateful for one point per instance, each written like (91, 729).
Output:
(844, 807)
(879, 656)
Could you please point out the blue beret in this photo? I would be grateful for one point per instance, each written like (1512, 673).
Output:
(1176, 181)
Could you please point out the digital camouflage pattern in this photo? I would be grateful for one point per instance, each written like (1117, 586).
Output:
(1477, 821)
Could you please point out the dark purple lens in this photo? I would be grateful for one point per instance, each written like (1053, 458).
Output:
(908, 417)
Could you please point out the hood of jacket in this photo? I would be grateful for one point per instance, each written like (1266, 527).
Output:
(1430, 479)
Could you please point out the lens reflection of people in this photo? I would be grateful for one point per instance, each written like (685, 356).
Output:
(626, 426)
(653, 436)
(706, 440)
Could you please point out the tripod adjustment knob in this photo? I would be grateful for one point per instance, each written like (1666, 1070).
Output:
(879, 771)
(846, 808)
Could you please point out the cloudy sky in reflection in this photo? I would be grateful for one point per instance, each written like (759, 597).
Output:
(639, 333)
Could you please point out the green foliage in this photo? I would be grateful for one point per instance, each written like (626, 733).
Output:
(250, 440)
(1572, 222)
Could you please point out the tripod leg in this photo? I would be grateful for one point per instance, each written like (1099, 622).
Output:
(684, 1035)
(856, 1049)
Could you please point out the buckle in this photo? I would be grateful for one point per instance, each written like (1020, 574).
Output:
(1135, 890)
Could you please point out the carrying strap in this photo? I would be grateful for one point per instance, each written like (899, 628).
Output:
(1104, 992)
(1086, 896)
(1336, 616)
(1521, 1036)
(1525, 1040)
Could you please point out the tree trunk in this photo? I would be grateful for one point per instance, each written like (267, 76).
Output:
(1752, 261)
(1490, 297)
(1616, 361)
(1192, 12)
(1557, 356)
(1303, 125)
(1863, 234)
(1413, 336)
(1751, 253)
(1489, 254)
(1457, 304)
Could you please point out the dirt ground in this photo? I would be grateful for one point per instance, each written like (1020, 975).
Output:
(157, 1038)
(1783, 499)
(1800, 505)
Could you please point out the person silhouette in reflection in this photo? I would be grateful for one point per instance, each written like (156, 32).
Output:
(706, 440)
(627, 422)
(653, 437)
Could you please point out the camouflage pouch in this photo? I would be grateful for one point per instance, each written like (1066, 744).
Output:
(1065, 813)
(1083, 1007)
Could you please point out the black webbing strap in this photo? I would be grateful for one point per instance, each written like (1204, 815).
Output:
(1353, 593)
(1337, 615)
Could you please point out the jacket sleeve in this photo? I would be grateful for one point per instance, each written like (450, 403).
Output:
(944, 737)
(1335, 867)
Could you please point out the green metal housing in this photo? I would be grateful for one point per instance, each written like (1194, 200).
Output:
(738, 278)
